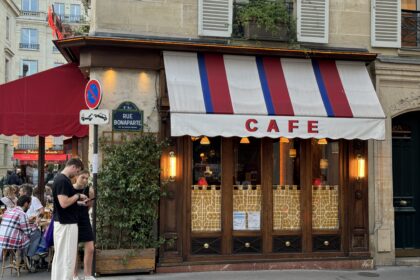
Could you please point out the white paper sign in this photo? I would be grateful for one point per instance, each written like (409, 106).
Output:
(254, 220)
(239, 220)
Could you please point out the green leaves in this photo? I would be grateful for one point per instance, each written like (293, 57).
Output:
(128, 193)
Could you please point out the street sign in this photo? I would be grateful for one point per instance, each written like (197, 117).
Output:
(93, 94)
(127, 117)
(100, 116)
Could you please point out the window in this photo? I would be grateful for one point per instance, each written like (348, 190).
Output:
(30, 5)
(75, 13)
(410, 19)
(27, 143)
(58, 143)
(5, 154)
(29, 39)
(6, 69)
(7, 28)
(28, 67)
(59, 10)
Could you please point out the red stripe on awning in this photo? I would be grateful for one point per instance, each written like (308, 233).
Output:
(46, 103)
(277, 85)
(219, 88)
(34, 157)
(335, 89)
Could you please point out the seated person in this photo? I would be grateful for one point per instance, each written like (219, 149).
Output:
(9, 199)
(35, 210)
(14, 229)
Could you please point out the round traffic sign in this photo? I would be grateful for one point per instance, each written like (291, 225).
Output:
(93, 94)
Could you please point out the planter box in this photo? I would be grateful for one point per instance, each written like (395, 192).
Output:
(254, 32)
(125, 261)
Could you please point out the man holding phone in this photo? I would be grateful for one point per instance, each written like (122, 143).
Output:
(65, 214)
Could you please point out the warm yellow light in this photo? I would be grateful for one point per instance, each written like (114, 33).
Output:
(144, 82)
(109, 80)
(360, 167)
(284, 140)
(292, 153)
(172, 166)
(205, 141)
(322, 141)
(244, 140)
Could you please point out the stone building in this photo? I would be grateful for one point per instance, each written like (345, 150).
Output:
(284, 197)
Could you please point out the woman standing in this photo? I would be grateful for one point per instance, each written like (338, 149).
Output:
(85, 227)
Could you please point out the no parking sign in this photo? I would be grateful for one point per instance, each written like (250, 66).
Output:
(93, 94)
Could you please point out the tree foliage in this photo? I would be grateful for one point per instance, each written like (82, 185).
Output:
(128, 193)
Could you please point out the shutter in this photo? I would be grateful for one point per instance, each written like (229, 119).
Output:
(386, 23)
(312, 21)
(215, 18)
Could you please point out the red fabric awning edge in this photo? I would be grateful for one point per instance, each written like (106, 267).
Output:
(34, 157)
(43, 104)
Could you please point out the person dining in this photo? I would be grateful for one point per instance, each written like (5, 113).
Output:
(9, 199)
(14, 229)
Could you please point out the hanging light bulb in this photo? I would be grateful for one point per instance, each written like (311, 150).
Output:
(322, 141)
(292, 153)
(284, 140)
(244, 140)
(205, 141)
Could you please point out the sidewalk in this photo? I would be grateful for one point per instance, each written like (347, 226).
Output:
(383, 273)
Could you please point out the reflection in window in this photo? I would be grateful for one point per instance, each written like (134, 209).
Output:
(247, 184)
(206, 195)
(286, 184)
(325, 184)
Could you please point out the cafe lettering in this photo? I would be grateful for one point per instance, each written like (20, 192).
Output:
(251, 125)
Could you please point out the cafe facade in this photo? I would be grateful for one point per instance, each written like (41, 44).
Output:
(268, 162)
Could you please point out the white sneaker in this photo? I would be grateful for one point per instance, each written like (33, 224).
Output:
(76, 278)
(90, 278)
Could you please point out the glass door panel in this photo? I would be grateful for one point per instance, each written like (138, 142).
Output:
(206, 195)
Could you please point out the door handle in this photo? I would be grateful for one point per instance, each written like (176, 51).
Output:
(403, 202)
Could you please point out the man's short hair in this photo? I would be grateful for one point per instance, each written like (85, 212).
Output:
(23, 199)
(76, 162)
(27, 189)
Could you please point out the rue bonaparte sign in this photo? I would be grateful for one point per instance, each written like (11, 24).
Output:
(127, 117)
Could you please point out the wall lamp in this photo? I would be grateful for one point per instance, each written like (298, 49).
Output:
(172, 166)
(360, 167)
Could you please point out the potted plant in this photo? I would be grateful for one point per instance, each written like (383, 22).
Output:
(129, 190)
(266, 20)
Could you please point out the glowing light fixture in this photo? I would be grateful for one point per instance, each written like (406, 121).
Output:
(205, 141)
(244, 140)
(284, 140)
(322, 141)
(172, 166)
(292, 153)
(360, 167)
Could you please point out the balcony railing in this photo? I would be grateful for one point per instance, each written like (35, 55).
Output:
(29, 46)
(36, 14)
(410, 28)
(27, 146)
(72, 19)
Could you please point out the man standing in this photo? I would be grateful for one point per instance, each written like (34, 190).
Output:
(14, 230)
(65, 221)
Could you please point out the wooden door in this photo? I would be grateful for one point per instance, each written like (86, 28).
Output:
(406, 183)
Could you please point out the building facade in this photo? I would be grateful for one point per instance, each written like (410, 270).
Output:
(36, 52)
(273, 198)
(8, 14)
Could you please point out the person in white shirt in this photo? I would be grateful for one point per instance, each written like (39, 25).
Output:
(34, 213)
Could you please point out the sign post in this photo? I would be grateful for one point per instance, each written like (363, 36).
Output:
(93, 97)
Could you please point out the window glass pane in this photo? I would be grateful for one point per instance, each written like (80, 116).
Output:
(24, 36)
(206, 195)
(29, 67)
(26, 5)
(325, 184)
(408, 5)
(34, 36)
(75, 13)
(286, 184)
(247, 184)
(34, 5)
(59, 9)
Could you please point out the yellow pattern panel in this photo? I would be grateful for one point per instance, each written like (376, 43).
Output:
(206, 208)
(325, 207)
(286, 207)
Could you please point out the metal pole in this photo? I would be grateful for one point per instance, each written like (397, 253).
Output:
(95, 191)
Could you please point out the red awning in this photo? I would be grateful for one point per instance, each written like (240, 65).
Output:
(34, 157)
(46, 103)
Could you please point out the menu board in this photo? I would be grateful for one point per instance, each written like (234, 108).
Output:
(239, 220)
(254, 220)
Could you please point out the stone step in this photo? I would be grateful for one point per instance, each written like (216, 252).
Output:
(408, 261)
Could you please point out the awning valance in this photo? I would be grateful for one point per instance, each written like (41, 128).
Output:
(232, 95)
(46, 103)
(34, 157)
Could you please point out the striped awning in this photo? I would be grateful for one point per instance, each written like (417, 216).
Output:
(232, 95)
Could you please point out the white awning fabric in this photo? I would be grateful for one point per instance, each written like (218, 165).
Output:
(232, 95)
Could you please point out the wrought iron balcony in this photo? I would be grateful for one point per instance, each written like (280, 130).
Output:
(29, 46)
(80, 19)
(36, 14)
(27, 146)
(410, 28)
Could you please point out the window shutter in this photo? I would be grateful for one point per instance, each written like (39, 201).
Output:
(215, 18)
(386, 23)
(312, 21)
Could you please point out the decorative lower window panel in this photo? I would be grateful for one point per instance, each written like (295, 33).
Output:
(206, 208)
(286, 207)
(325, 207)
